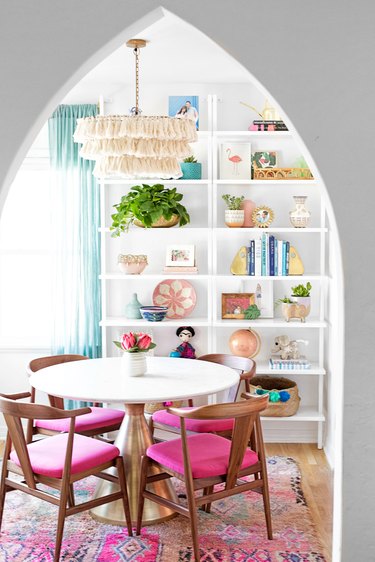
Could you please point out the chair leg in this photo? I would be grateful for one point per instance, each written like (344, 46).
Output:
(210, 489)
(193, 519)
(267, 505)
(141, 499)
(124, 490)
(3, 491)
(4, 474)
(71, 500)
(61, 520)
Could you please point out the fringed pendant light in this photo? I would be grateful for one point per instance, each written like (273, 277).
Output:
(135, 146)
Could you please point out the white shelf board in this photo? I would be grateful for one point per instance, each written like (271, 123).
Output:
(222, 229)
(270, 323)
(122, 321)
(304, 413)
(265, 182)
(275, 134)
(303, 277)
(263, 369)
(154, 230)
(127, 277)
(148, 181)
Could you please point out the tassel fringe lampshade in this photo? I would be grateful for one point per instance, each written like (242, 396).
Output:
(135, 146)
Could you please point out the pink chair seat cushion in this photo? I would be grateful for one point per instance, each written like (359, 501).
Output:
(47, 456)
(198, 426)
(209, 455)
(97, 418)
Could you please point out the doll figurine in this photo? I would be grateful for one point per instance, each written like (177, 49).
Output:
(185, 349)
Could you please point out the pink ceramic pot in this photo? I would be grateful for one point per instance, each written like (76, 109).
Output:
(248, 206)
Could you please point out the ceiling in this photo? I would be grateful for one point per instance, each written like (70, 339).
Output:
(177, 53)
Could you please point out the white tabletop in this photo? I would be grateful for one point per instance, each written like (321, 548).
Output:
(102, 380)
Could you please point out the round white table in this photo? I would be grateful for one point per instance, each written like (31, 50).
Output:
(103, 380)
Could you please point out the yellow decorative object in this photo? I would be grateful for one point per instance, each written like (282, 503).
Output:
(295, 263)
(239, 266)
(262, 216)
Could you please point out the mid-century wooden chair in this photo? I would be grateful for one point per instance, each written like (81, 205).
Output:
(204, 460)
(96, 422)
(168, 422)
(56, 462)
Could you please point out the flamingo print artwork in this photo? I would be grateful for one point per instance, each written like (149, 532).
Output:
(235, 159)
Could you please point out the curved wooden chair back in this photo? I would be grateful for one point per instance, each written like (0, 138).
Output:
(245, 366)
(43, 362)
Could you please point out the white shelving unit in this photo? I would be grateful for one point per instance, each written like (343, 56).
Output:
(216, 246)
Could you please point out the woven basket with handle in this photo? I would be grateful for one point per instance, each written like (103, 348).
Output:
(277, 409)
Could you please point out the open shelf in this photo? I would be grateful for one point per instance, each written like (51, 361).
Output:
(122, 321)
(305, 413)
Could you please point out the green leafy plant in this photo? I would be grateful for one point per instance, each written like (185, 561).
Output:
(233, 203)
(301, 290)
(284, 299)
(148, 203)
(252, 312)
(190, 160)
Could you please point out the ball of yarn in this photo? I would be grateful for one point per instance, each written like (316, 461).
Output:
(284, 396)
(274, 396)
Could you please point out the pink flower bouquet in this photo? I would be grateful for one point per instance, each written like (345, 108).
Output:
(135, 342)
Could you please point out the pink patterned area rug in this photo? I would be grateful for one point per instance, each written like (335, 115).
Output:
(235, 531)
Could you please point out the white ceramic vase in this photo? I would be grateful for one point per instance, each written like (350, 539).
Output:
(300, 216)
(134, 364)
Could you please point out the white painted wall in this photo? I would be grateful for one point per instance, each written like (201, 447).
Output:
(317, 60)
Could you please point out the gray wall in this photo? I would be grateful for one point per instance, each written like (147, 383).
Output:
(316, 58)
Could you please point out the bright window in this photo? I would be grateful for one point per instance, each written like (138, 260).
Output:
(26, 259)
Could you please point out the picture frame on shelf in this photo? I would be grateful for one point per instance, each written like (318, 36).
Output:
(263, 291)
(264, 159)
(263, 216)
(180, 255)
(233, 305)
(235, 161)
(184, 107)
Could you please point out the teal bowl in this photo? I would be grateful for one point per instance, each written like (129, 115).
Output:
(153, 313)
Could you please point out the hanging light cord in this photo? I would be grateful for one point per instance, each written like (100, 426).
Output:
(136, 53)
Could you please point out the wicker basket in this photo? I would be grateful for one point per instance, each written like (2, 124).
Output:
(277, 409)
(152, 407)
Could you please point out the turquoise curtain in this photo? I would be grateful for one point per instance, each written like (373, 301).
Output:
(75, 198)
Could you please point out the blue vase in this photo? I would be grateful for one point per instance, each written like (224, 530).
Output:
(191, 170)
(132, 308)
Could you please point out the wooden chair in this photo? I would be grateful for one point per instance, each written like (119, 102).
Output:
(56, 462)
(204, 460)
(168, 422)
(96, 422)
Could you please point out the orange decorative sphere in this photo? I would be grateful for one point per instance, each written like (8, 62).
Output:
(245, 343)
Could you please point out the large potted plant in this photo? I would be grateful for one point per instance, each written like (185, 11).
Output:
(298, 305)
(234, 215)
(149, 206)
(191, 169)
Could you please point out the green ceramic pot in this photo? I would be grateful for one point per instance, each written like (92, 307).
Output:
(191, 170)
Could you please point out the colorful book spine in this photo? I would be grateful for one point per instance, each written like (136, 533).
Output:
(264, 254)
(279, 257)
(258, 257)
(252, 257)
(271, 252)
(287, 258)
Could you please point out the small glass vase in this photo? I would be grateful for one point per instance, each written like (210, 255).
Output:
(300, 216)
(134, 364)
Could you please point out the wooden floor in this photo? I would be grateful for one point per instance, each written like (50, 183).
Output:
(316, 485)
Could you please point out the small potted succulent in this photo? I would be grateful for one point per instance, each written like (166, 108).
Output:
(191, 169)
(298, 305)
(150, 206)
(234, 215)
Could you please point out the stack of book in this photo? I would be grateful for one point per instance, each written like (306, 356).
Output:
(278, 364)
(259, 125)
(268, 256)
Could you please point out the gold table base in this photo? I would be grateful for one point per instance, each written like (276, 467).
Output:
(133, 439)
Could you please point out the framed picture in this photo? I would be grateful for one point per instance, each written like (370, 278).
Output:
(262, 216)
(265, 159)
(180, 255)
(233, 305)
(263, 292)
(235, 161)
(184, 107)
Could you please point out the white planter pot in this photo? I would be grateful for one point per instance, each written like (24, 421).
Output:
(299, 308)
(234, 219)
(134, 364)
